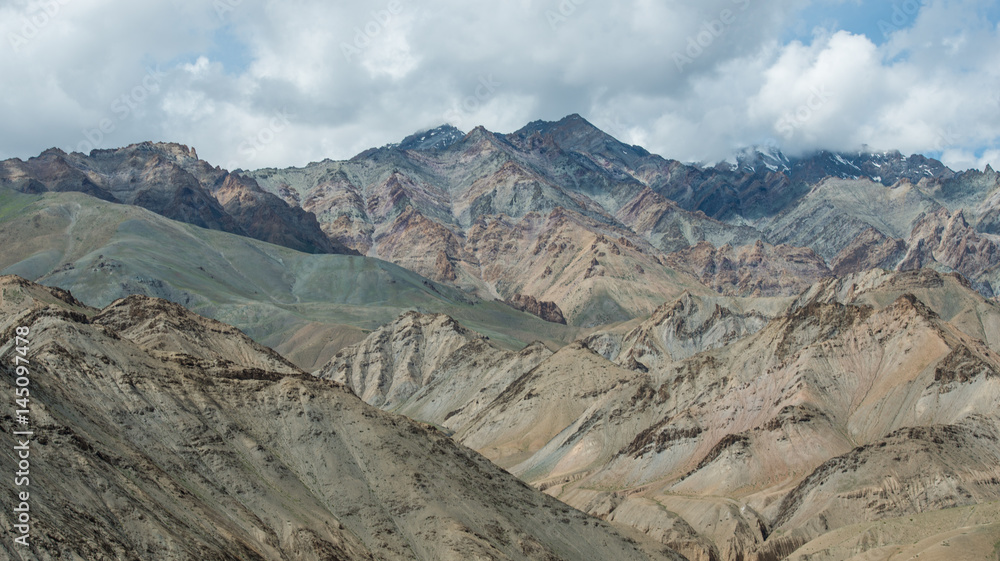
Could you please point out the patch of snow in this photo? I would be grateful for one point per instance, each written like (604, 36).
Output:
(841, 160)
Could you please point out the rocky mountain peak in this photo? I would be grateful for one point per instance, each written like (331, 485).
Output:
(170, 332)
(478, 140)
(548, 311)
(171, 151)
(437, 138)
(50, 152)
(761, 158)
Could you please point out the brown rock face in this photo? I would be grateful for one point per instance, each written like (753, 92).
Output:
(942, 238)
(266, 217)
(420, 244)
(870, 250)
(443, 269)
(759, 269)
(548, 311)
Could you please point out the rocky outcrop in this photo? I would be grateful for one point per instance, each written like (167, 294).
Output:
(266, 217)
(398, 359)
(548, 311)
(909, 471)
(430, 368)
(756, 270)
(945, 239)
(870, 250)
(680, 329)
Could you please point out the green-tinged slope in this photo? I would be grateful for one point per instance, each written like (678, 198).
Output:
(305, 306)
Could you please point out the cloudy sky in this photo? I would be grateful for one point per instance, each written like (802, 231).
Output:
(254, 83)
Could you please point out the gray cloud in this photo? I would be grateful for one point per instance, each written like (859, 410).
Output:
(256, 83)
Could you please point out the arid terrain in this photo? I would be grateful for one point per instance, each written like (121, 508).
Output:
(546, 344)
(165, 435)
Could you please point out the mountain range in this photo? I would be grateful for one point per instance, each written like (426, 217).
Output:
(563, 214)
(767, 357)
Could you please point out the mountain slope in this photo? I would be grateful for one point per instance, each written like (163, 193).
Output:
(797, 394)
(428, 367)
(174, 461)
(753, 270)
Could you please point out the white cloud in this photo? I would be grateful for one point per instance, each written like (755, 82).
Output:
(351, 75)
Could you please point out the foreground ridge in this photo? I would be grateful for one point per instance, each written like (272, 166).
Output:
(163, 435)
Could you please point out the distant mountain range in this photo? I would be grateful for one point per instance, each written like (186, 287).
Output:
(763, 358)
(492, 213)
(171, 181)
(564, 215)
